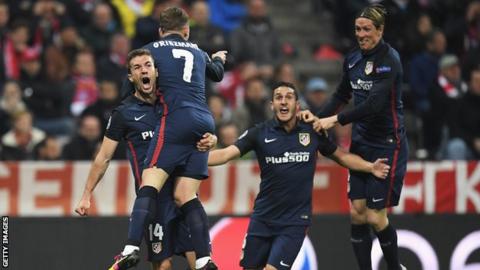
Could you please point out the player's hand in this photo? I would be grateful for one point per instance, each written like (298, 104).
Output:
(83, 207)
(222, 55)
(380, 168)
(207, 142)
(307, 116)
(324, 123)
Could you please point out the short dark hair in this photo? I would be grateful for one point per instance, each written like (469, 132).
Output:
(285, 84)
(376, 13)
(135, 53)
(173, 19)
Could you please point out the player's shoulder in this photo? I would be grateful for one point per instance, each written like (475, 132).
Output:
(254, 131)
(353, 53)
(129, 101)
(387, 54)
(386, 60)
(149, 46)
(260, 127)
(126, 104)
(307, 128)
(304, 126)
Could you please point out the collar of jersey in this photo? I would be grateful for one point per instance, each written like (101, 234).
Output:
(174, 37)
(277, 125)
(133, 99)
(380, 44)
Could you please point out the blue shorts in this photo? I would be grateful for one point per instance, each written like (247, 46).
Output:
(277, 245)
(167, 234)
(379, 193)
(173, 146)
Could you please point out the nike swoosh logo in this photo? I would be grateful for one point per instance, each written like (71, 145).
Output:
(140, 117)
(377, 200)
(351, 65)
(284, 264)
(270, 140)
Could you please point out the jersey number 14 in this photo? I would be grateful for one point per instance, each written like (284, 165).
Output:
(155, 231)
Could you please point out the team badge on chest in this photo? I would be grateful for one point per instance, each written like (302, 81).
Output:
(304, 138)
(368, 67)
(157, 247)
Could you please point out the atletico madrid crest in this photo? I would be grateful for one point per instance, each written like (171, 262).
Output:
(157, 247)
(304, 138)
(369, 67)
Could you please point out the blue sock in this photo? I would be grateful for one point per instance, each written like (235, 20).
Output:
(388, 242)
(362, 245)
(196, 219)
(143, 211)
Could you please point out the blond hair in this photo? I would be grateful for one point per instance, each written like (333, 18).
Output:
(376, 13)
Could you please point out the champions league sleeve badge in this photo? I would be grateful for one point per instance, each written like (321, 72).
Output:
(369, 67)
(304, 138)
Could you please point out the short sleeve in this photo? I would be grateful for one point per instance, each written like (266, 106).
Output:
(115, 129)
(325, 146)
(246, 142)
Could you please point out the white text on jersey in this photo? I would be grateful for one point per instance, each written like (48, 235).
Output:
(289, 157)
(147, 134)
(163, 43)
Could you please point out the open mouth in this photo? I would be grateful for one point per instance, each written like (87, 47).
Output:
(283, 110)
(146, 83)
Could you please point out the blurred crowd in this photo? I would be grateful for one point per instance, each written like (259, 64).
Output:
(63, 63)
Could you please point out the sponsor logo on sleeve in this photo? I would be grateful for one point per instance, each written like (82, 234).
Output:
(383, 69)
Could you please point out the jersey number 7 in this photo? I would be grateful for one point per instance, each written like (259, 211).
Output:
(188, 67)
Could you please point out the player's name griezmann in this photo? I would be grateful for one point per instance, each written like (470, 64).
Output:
(173, 43)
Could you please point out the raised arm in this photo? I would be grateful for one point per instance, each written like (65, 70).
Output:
(214, 70)
(379, 168)
(222, 156)
(99, 166)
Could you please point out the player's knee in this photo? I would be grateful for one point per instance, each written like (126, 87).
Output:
(358, 216)
(270, 267)
(372, 220)
(164, 265)
(377, 221)
(154, 177)
(179, 198)
(183, 197)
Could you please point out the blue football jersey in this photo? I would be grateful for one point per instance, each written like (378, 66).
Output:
(134, 121)
(287, 164)
(182, 68)
(374, 80)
